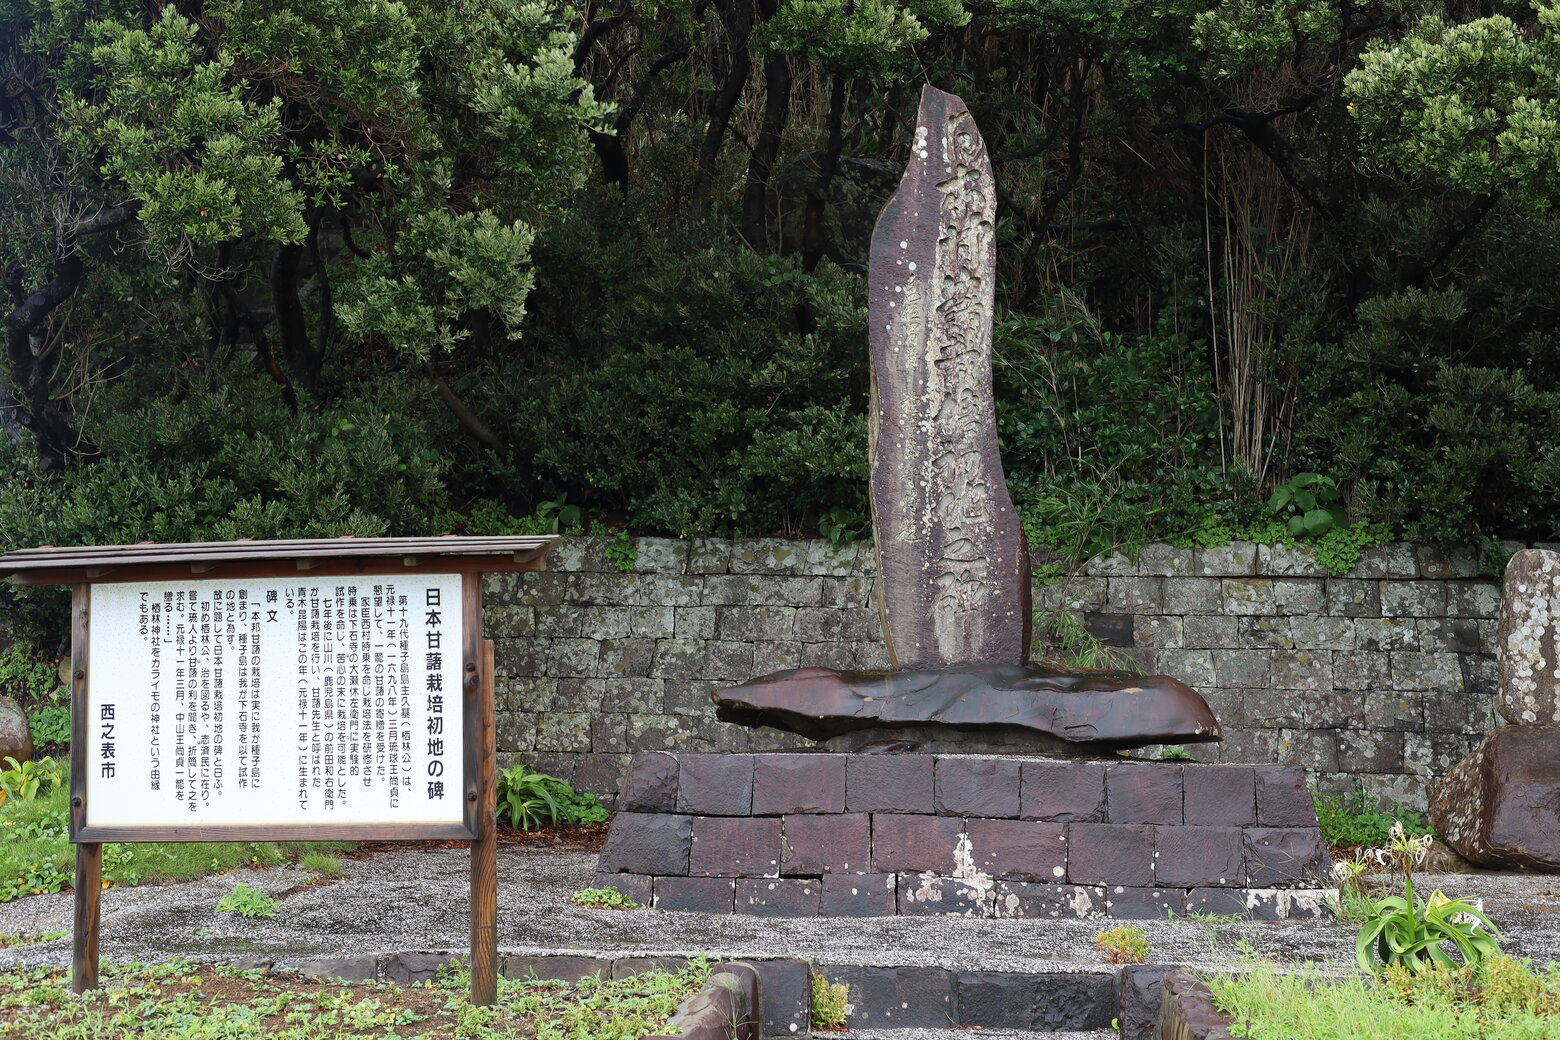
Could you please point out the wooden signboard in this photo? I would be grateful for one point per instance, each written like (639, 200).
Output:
(306, 690)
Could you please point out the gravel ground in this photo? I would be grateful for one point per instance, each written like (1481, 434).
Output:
(416, 900)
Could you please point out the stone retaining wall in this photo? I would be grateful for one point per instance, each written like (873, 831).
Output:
(1385, 677)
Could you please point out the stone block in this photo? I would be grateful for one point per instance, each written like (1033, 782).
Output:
(896, 997)
(1193, 667)
(681, 697)
(970, 786)
(1111, 629)
(1386, 634)
(997, 999)
(1024, 899)
(668, 591)
(1528, 641)
(819, 624)
(509, 622)
(1335, 709)
(1394, 710)
(735, 847)
(829, 560)
(728, 659)
(1215, 632)
(569, 658)
(1162, 632)
(1285, 857)
(415, 969)
(1283, 799)
(1473, 599)
(1449, 561)
(1139, 989)
(1500, 806)
(1240, 669)
(927, 895)
(651, 784)
(768, 556)
(1315, 750)
(1455, 635)
(749, 623)
(1191, 857)
(861, 625)
(889, 783)
(840, 844)
(839, 656)
(635, 886)
(1272, 709)
(634, 695)
(1441, 673)
(1270, 633)
(705, 895)
(1351, 597)
(778, 897)
(515, 731)
(860, 895)
(726, 590)
(1300, 670)
(1362, 670)
(798, 783)
(1220, 796)
(1134, 595)
(1297, 561)
(1413, 599)
(1147, 793)
(1077, 593)
(646, 843)
(693, 623)
(1248, 596)
(1323, 633)
(1396, 560)
(709, 556)
(915, 844)
(1165, 560)
(1193, 596)
(608, 734)
(1127, 903)
(1114, 564)
(562, 968)
(872, 657)
(625, 658)
(354, 968)
(1236, 558)
(715, 785)
(563, 731)
(540, 588)
(1299, 596)
(1018, 850)
(1110, 854)
(1063, 792)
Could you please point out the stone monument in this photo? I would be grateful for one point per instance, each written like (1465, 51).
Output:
(966, 817)
(1500, 806)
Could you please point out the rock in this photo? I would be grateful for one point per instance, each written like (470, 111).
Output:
(1097, 710)
(15, 738)
(1528, 644)
(953, 573)
(1500, 806)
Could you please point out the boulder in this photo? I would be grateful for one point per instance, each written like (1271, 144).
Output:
(1528, 644)
(1090, 710)
(1500, 806)
(15, 738)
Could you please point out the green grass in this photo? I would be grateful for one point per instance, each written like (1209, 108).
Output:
(35, 845)
(183, 1001)
(1508, 1001)
(1352, 820)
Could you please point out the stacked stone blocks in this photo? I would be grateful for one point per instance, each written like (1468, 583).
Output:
(1383, 678)
(817, 833)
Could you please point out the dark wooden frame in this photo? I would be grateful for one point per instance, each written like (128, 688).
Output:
(470, 558)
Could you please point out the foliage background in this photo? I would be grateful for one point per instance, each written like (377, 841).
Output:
(314, 267)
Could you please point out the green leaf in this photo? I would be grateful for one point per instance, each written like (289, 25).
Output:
(1318, 522)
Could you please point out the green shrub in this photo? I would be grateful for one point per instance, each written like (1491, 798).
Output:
(606, 898)
(685, 383)
(247, 901)
(531, 800)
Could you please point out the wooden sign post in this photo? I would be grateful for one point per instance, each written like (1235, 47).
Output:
(313, 690)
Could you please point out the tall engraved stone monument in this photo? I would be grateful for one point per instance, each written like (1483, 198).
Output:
(954, 570)
(964, 780)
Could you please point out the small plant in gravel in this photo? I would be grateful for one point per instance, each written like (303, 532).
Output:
(1413, 933)
(247, 901)
(605, 898)
(830, 1003)
(1123, 945)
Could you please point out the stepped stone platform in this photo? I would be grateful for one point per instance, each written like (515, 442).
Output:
(810, 834)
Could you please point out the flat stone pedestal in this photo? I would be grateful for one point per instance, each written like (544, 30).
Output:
(803, 834)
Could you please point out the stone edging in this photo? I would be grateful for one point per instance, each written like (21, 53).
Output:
(726, 1008)
(1186, 1011)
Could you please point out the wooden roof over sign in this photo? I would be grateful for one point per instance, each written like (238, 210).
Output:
(249, 558)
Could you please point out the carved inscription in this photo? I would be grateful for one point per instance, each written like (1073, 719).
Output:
(953, 571)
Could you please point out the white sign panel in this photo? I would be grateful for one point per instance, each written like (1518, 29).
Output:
(287, 701)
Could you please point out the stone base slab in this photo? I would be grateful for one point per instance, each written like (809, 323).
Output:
(804, 834)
